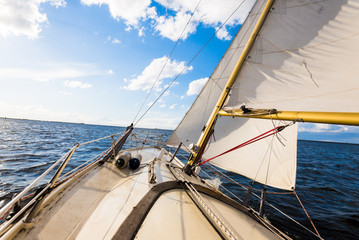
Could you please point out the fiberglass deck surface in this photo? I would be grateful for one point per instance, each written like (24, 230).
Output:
(95, 206)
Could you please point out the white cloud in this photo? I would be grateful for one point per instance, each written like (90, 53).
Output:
(175, 82)
(223, 34)
(182, 97)
(131, 11)
(159, 122)
(326, 128)
(170, 24)
(146, 79)
(77, 84)
(172, 27)
(149, 104)
(151, 13)
(116, 41)
(41, 112)
(110, 71)
(56, 3)
(210, 13)
(23, 18)
(162, 105)
(167, 93)
(51, 72)
(173, 106)
(141, 32)
(65, 93)
(196, 86)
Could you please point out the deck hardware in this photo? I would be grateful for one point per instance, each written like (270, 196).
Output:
(119, 143)
(51, 184)
(151, 173)
(263, 199)
(113, 147)
(175, 153)
(248, 195)
(121, 160)
(135, 161)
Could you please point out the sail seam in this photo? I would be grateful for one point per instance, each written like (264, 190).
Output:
(289, 51)
(305, 97)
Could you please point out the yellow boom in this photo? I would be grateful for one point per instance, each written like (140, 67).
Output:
(345, 118)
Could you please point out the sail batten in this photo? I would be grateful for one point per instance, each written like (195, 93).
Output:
(303, 60)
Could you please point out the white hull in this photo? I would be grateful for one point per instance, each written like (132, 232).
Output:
(110, 203)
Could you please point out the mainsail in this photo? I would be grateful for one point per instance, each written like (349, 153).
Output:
(304, 59)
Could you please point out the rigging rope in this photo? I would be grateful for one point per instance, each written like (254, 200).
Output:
(224, 176)
(307, 215)
(199, 51)
(255, 139)
(169, 56)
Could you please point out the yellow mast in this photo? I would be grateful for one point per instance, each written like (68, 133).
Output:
(194, 158)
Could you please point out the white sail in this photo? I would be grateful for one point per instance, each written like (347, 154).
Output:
(271, 161)
(189, 130)
(304, 59)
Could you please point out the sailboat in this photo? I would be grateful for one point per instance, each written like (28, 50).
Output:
(291, 61)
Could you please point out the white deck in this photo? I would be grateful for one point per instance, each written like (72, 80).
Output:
(96, 205)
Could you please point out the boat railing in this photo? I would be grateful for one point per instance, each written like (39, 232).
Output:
(148, 141)
(56, 179)
(32, 185)
(227, 179)
(32, 196)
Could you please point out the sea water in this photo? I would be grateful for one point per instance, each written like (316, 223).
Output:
(327, 173)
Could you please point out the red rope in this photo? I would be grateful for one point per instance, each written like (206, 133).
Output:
(255, 139)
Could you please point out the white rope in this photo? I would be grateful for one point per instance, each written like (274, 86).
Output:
(205, 206)
(211, 212)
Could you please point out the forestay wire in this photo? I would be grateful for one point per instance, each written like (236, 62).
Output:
(187, 65)
(169, 56)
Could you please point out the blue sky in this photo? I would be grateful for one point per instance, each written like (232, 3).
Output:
(93, 61)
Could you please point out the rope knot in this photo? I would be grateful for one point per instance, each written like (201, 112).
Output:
(280, 128)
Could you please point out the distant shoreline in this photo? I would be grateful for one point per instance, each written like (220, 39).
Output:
(95, 124)
(349, 143)
(321, 141)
